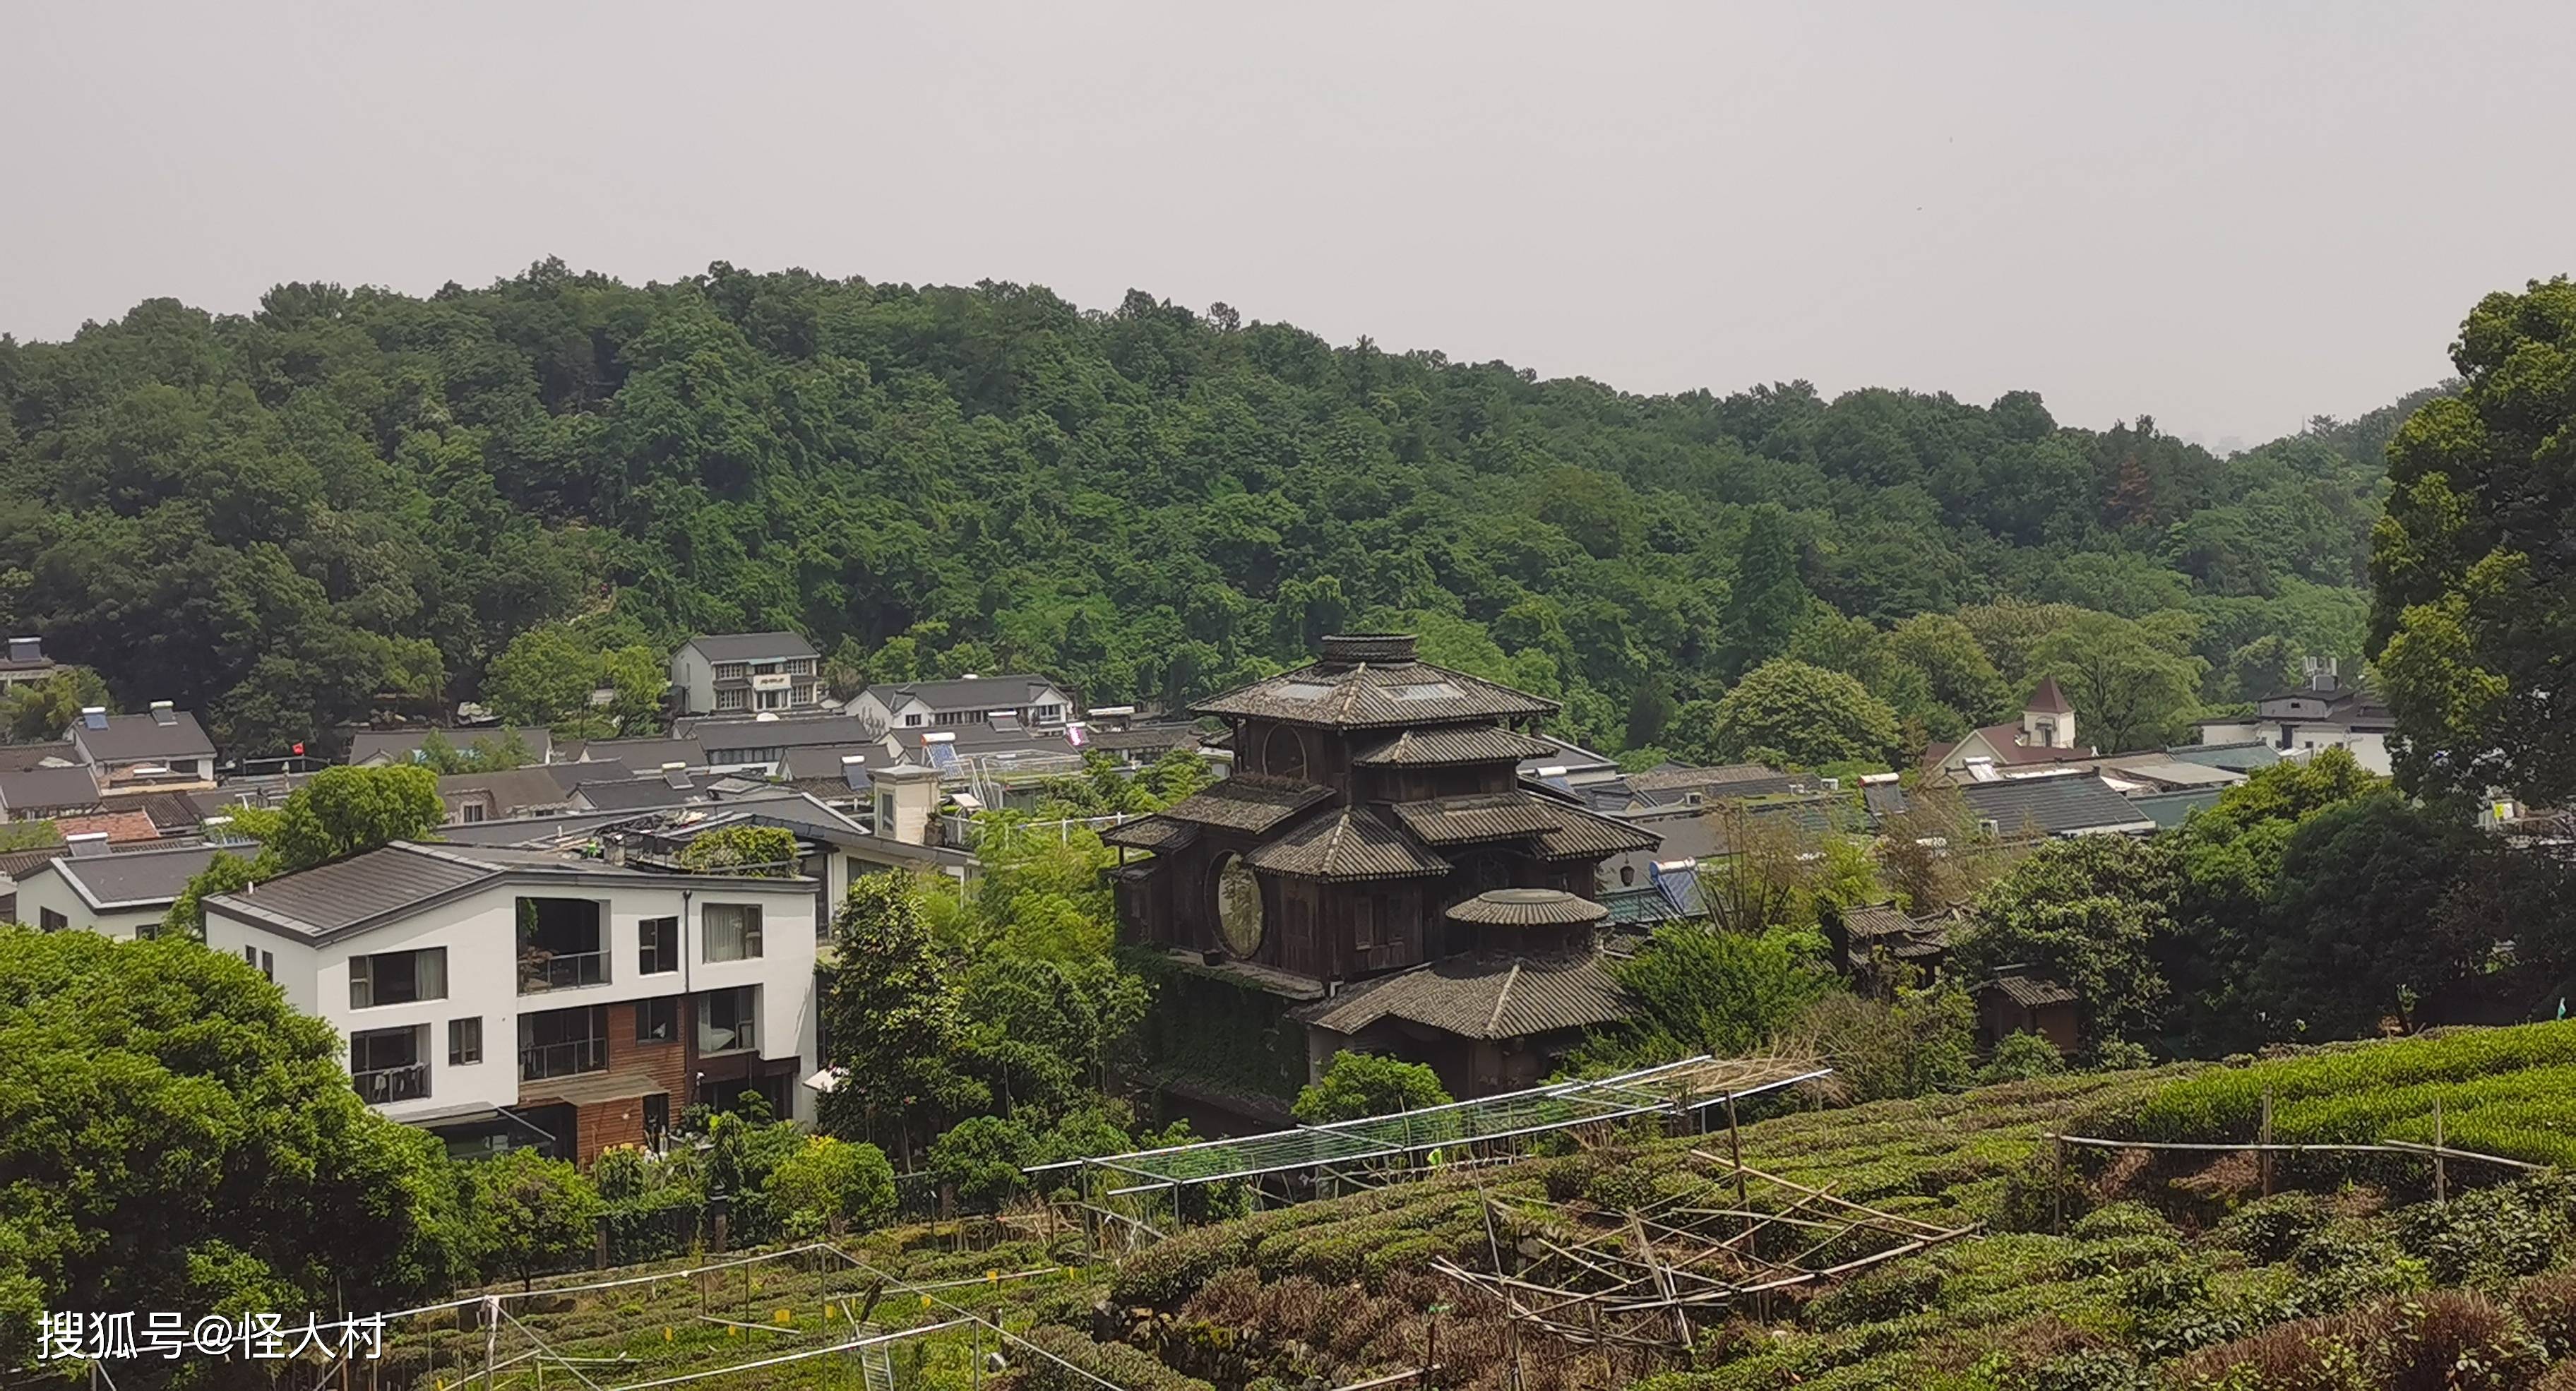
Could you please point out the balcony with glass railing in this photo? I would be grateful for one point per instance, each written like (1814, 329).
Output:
(541, 971)
(386, 1085)
(543, 1060)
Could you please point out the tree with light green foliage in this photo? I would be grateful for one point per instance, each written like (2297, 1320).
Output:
(532, 1214)
(830, 1185)
(2134, 684)
(174, 1135)
(1695, 991)
(346, 811)
(1802, 715)
(1357, 1084)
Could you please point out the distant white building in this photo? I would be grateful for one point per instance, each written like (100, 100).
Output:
(2322, 713)
(165, 750)
(1026, 702)
(491, 994)
(2045, 733)
(745, 674)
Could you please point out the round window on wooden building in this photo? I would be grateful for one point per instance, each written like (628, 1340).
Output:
(1238, 907)
(1283, 754)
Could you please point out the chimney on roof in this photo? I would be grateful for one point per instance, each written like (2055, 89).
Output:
(93, 717)
(26, 649)
(164, 713)
(85, 844)
(1351, 649)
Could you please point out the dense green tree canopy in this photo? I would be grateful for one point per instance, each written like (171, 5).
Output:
(1357, 1084)
(355, 498)
(2475, 581)
(174, 1136)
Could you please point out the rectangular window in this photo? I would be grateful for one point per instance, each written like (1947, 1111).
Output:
(268, 964)
(470, 813)
(390, 1065)
(397, 977)
(729, 1020)
(1048, 714)
(51, 921)
(1364, 923)
(465, 1041)
(772, 700)
(563, 944)
(913, 720)
(657, 1021)
(660, 947)
(561, 1042)
(732, 931)
(730, 698)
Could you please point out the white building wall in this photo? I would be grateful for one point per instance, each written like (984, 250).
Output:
(480, 932)
(40, 891)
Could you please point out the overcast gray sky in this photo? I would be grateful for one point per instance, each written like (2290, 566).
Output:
(2227, 215)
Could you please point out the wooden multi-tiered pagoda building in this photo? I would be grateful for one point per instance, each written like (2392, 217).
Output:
(1372, 794)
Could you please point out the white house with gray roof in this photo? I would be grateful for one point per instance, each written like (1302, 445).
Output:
(491, 994)
(745, 674)
(1031, 702)
(122, 894)
(164, 750)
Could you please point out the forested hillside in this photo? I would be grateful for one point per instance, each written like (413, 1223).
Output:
(354, 497)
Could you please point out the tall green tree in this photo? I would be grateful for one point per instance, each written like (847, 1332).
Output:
(2475, 590)
(892, 1015)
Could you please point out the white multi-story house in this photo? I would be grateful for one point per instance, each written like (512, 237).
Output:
(491, 995)
(2322, 713)
(745, 674)
(1031, 702)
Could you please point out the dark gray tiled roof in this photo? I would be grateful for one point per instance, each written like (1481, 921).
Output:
(363, 890)
(636, 794)
(824, 760)
(1588, 835)
(17, 758)
(41, 789)
(978, 693)
(647, 755)
(1482, 997)
(1155, 833)
(1350, 844)
(2057, 805)
(400, 744)
(142, 738)
(1740, 779)
(1479, 816)
(1527, 908)
(1247, 802)
(2242, 756)
(742, 647)
(2030, 993)
(133, 878)
(1372, 681)
(785, 732)
(1471, 743)
(541, 786)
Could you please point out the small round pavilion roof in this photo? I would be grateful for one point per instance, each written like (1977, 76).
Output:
(1528, 908)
